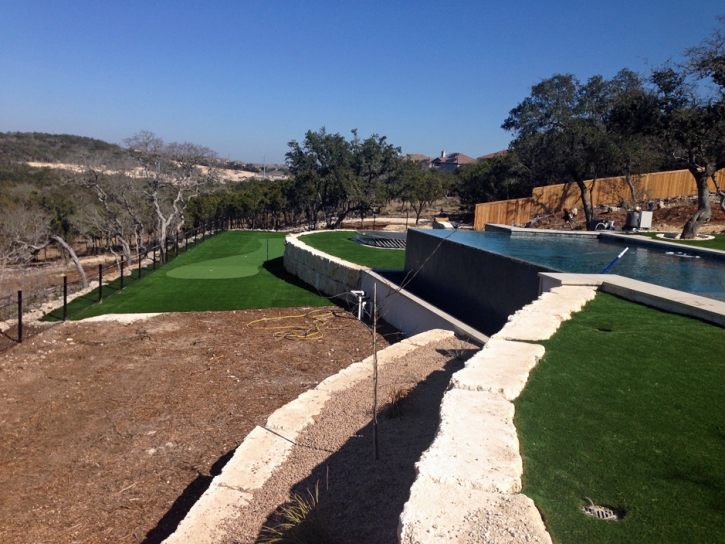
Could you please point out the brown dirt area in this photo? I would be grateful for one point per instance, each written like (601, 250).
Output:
(672, 218)
(111, 431)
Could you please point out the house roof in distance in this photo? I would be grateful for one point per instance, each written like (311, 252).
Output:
(492, 155)
(455, 158)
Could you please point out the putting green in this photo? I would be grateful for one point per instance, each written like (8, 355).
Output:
(236, 266)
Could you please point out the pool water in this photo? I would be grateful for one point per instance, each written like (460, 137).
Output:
(585, 255)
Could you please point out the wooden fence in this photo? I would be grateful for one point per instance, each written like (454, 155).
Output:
(612, 191)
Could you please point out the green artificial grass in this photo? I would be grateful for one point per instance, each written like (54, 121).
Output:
(627, 407)
(717, 243)
(227, 272)
(340, 244)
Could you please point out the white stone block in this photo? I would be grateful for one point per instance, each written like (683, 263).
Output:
(294, 416)
(437, 512)
(501, 367)
(476, 445)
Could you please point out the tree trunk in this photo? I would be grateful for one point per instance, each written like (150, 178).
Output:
(632, 190)
(719, 191)
(586, 203)
(73, 256)
(704, 210)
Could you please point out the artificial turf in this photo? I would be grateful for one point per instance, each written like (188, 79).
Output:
(717, 243)
(627, 407)
(340, 244)
(228, 272)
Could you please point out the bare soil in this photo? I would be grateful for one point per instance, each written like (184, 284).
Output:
(111, 431)
(671, 218)
(360, 498)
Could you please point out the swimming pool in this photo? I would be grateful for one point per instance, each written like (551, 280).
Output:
(588, 255)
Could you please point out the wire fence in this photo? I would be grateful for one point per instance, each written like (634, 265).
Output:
(68, 299)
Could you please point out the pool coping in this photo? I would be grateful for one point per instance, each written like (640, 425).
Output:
(634, 239)
(649, 294)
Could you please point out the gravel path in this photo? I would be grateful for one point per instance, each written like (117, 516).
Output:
(360, 499)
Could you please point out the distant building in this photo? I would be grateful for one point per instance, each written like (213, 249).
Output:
(452, 161)
(490, 156)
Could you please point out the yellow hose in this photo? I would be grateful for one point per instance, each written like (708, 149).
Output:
(296, 332)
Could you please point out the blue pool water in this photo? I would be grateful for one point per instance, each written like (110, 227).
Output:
(585, 255)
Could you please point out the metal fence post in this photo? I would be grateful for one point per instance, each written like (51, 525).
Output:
(20, 316)
(121, 288)
(100, 283)
(65, 298)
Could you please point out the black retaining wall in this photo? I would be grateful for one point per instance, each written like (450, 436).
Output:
(481, 289)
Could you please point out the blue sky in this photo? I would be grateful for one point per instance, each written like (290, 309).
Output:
(244, 78)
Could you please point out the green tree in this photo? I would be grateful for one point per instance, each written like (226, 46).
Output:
(335, 177)
(565, 132)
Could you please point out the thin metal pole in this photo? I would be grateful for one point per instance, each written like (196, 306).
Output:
(375, 372)
(373, 221)
(139, 265)
(406, 220)
(65, 298)
(20, 316)
(100, 283)
(121, 289)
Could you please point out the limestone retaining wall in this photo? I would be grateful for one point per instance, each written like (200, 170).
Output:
(328, 274)
(468, 482)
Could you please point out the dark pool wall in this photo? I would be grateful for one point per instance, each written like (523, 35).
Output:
(481, 289)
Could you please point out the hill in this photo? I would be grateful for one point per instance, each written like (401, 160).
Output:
(41, 147)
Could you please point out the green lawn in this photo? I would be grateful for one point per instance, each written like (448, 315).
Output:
(717, 243)
(627, 407)
(340, 244)
(227, 272)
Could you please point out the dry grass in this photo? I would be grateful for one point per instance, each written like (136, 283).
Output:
(298, 522)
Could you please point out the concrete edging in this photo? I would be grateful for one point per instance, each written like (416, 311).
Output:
(265, 448)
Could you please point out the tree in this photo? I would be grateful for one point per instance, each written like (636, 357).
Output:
(334, 177)
(25, 231)
(690, 119)
(171, 175)
(322, 169)
(499, 178)
(565, 132)
(420, 186)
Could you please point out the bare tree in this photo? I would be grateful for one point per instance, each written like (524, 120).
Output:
(26, 231)
(171, 175)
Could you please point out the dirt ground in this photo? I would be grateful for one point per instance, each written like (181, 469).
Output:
(671, 218)
(111, 431)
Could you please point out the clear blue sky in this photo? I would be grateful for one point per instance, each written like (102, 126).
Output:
(246, 77)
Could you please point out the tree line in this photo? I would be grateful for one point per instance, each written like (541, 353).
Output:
(135, 197)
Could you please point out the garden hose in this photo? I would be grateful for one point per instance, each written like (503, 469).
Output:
(296, 332)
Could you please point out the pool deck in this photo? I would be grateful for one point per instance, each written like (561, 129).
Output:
(655, 296)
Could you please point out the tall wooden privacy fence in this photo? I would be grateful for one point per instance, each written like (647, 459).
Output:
(611, 191)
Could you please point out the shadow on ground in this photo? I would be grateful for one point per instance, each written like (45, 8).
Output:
(361, 499)
(168, 524)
